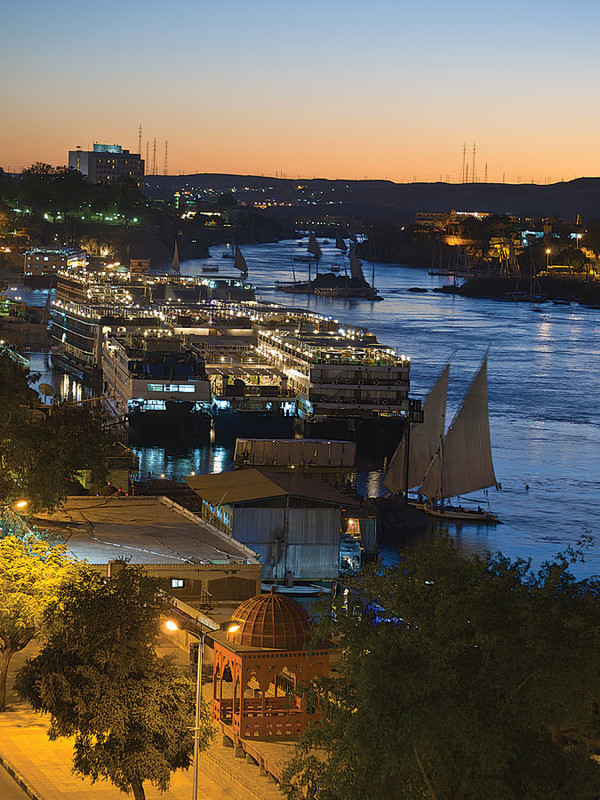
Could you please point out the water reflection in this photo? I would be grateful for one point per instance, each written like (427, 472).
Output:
(543, 390)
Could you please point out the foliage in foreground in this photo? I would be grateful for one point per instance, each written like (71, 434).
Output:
(130, 711)
(31, 570)
(40, 454)
(461, 678)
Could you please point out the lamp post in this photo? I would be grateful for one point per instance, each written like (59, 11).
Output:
(172, 626)
(548, 251)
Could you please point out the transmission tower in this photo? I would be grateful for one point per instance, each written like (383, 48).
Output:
(154, 157)
(485, 178)
(464, 163)
(147, 146)
(473, 170)
(140, 141)
(166, 157)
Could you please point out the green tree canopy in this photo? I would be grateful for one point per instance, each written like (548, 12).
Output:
(40, 451)
(98, 676)
(31, 569)
(461, 678)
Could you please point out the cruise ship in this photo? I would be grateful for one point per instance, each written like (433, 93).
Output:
(241, 366)
(151, 379)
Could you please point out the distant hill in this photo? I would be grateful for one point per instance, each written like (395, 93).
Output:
(398, 202)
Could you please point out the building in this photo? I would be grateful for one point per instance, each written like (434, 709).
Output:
(292, 523)
(258, 670)
(42, 262)
(197, 562)
(106, 163)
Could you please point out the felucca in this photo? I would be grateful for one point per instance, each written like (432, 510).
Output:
(446, 466)
(240, 262)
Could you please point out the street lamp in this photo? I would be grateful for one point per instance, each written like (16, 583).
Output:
(172, 626)
(548, 251)
(20, 504)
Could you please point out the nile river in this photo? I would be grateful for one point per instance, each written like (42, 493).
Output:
(544, 388)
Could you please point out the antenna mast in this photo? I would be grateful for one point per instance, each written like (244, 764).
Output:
(154, 157)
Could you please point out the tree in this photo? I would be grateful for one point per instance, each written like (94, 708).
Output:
(31, 569)
(130, 711)
(461, 678)
(41, 451)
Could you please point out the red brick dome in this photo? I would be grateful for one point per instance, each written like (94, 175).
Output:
(271, 621)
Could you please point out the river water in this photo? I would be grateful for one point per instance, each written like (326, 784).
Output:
(544, 387)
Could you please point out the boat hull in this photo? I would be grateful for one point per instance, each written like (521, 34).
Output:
(459, 514)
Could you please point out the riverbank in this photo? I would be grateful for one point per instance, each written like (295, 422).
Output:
(574, 289)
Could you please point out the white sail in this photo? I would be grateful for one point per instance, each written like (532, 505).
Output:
(356, 268)
(240, 261)
(313, 246)
(424, 441)
(175, 262)
(463, 462)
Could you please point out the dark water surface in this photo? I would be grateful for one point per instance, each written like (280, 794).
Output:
(544, 389)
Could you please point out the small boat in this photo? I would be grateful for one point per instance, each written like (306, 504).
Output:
(417, 289)
(335, 269)
(443, 466)
(210, 269)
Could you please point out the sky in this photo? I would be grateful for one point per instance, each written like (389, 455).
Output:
(318, 88)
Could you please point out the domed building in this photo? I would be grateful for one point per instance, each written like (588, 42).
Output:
(258, 667)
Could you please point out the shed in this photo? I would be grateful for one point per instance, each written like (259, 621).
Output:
(292, 523)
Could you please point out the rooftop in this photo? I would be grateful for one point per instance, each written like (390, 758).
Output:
(246, 485)
(145, 530)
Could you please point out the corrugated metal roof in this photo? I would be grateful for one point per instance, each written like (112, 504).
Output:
(234, 487)
(244, 485)
(300, 452)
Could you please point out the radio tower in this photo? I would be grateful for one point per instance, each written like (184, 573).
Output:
(166, 157)
(140, 141)
(153, 172)
(464, 161)
(473, 171)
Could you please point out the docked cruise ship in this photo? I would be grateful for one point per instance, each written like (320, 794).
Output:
(168, 352)
(346, 383)
(153, 379)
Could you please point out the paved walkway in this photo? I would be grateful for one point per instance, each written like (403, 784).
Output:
(45, 766)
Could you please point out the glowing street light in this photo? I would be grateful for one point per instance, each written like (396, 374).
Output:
(16, 504)
(172, 626)
(548, 251)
